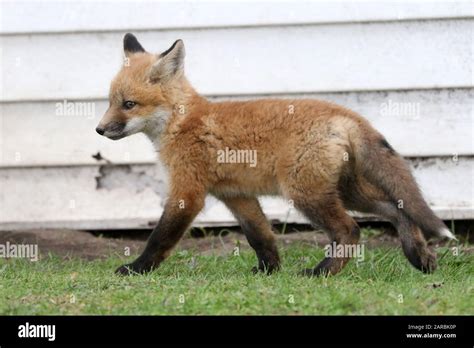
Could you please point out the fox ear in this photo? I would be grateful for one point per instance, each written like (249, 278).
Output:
(169, 63)
(131, 45)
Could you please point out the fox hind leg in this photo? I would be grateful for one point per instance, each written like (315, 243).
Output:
(258, 231)
(367, 198)
(415, 247)
(325, 210)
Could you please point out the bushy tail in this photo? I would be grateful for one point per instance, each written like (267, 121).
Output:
(383, 167)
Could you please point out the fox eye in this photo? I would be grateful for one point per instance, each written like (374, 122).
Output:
(128, 104)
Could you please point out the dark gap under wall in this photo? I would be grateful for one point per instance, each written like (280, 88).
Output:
(463, 228)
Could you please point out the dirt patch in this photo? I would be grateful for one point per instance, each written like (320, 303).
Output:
(81, 244)
(71, 243)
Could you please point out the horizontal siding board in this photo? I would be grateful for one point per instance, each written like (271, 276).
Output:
(76, 16)
(95, 197)
(416, 123)
(224, 218)
(245, 61)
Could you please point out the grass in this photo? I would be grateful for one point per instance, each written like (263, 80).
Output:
(384, 283)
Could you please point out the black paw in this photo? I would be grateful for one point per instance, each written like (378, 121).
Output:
(429, 263)
(314, 272)
(425, 261)
(131, 269)
(322, 269)
(265, 269)
(307, 272)
(421, 258)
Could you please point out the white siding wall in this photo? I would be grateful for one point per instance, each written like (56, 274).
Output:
(373, 57)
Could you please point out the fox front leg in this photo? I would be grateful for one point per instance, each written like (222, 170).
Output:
(179, 212)
(257, 229)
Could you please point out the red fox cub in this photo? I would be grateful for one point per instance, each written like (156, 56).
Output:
(324, 158)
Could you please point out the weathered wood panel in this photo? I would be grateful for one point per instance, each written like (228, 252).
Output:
(417, 123)
(293, 59)
(74, 16)
(406, 66)
(116, 197)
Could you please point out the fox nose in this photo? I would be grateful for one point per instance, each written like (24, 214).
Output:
(99, 130)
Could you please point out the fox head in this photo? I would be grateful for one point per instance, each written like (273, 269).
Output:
(144, 92)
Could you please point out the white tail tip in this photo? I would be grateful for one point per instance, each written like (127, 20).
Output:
(445, 233)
